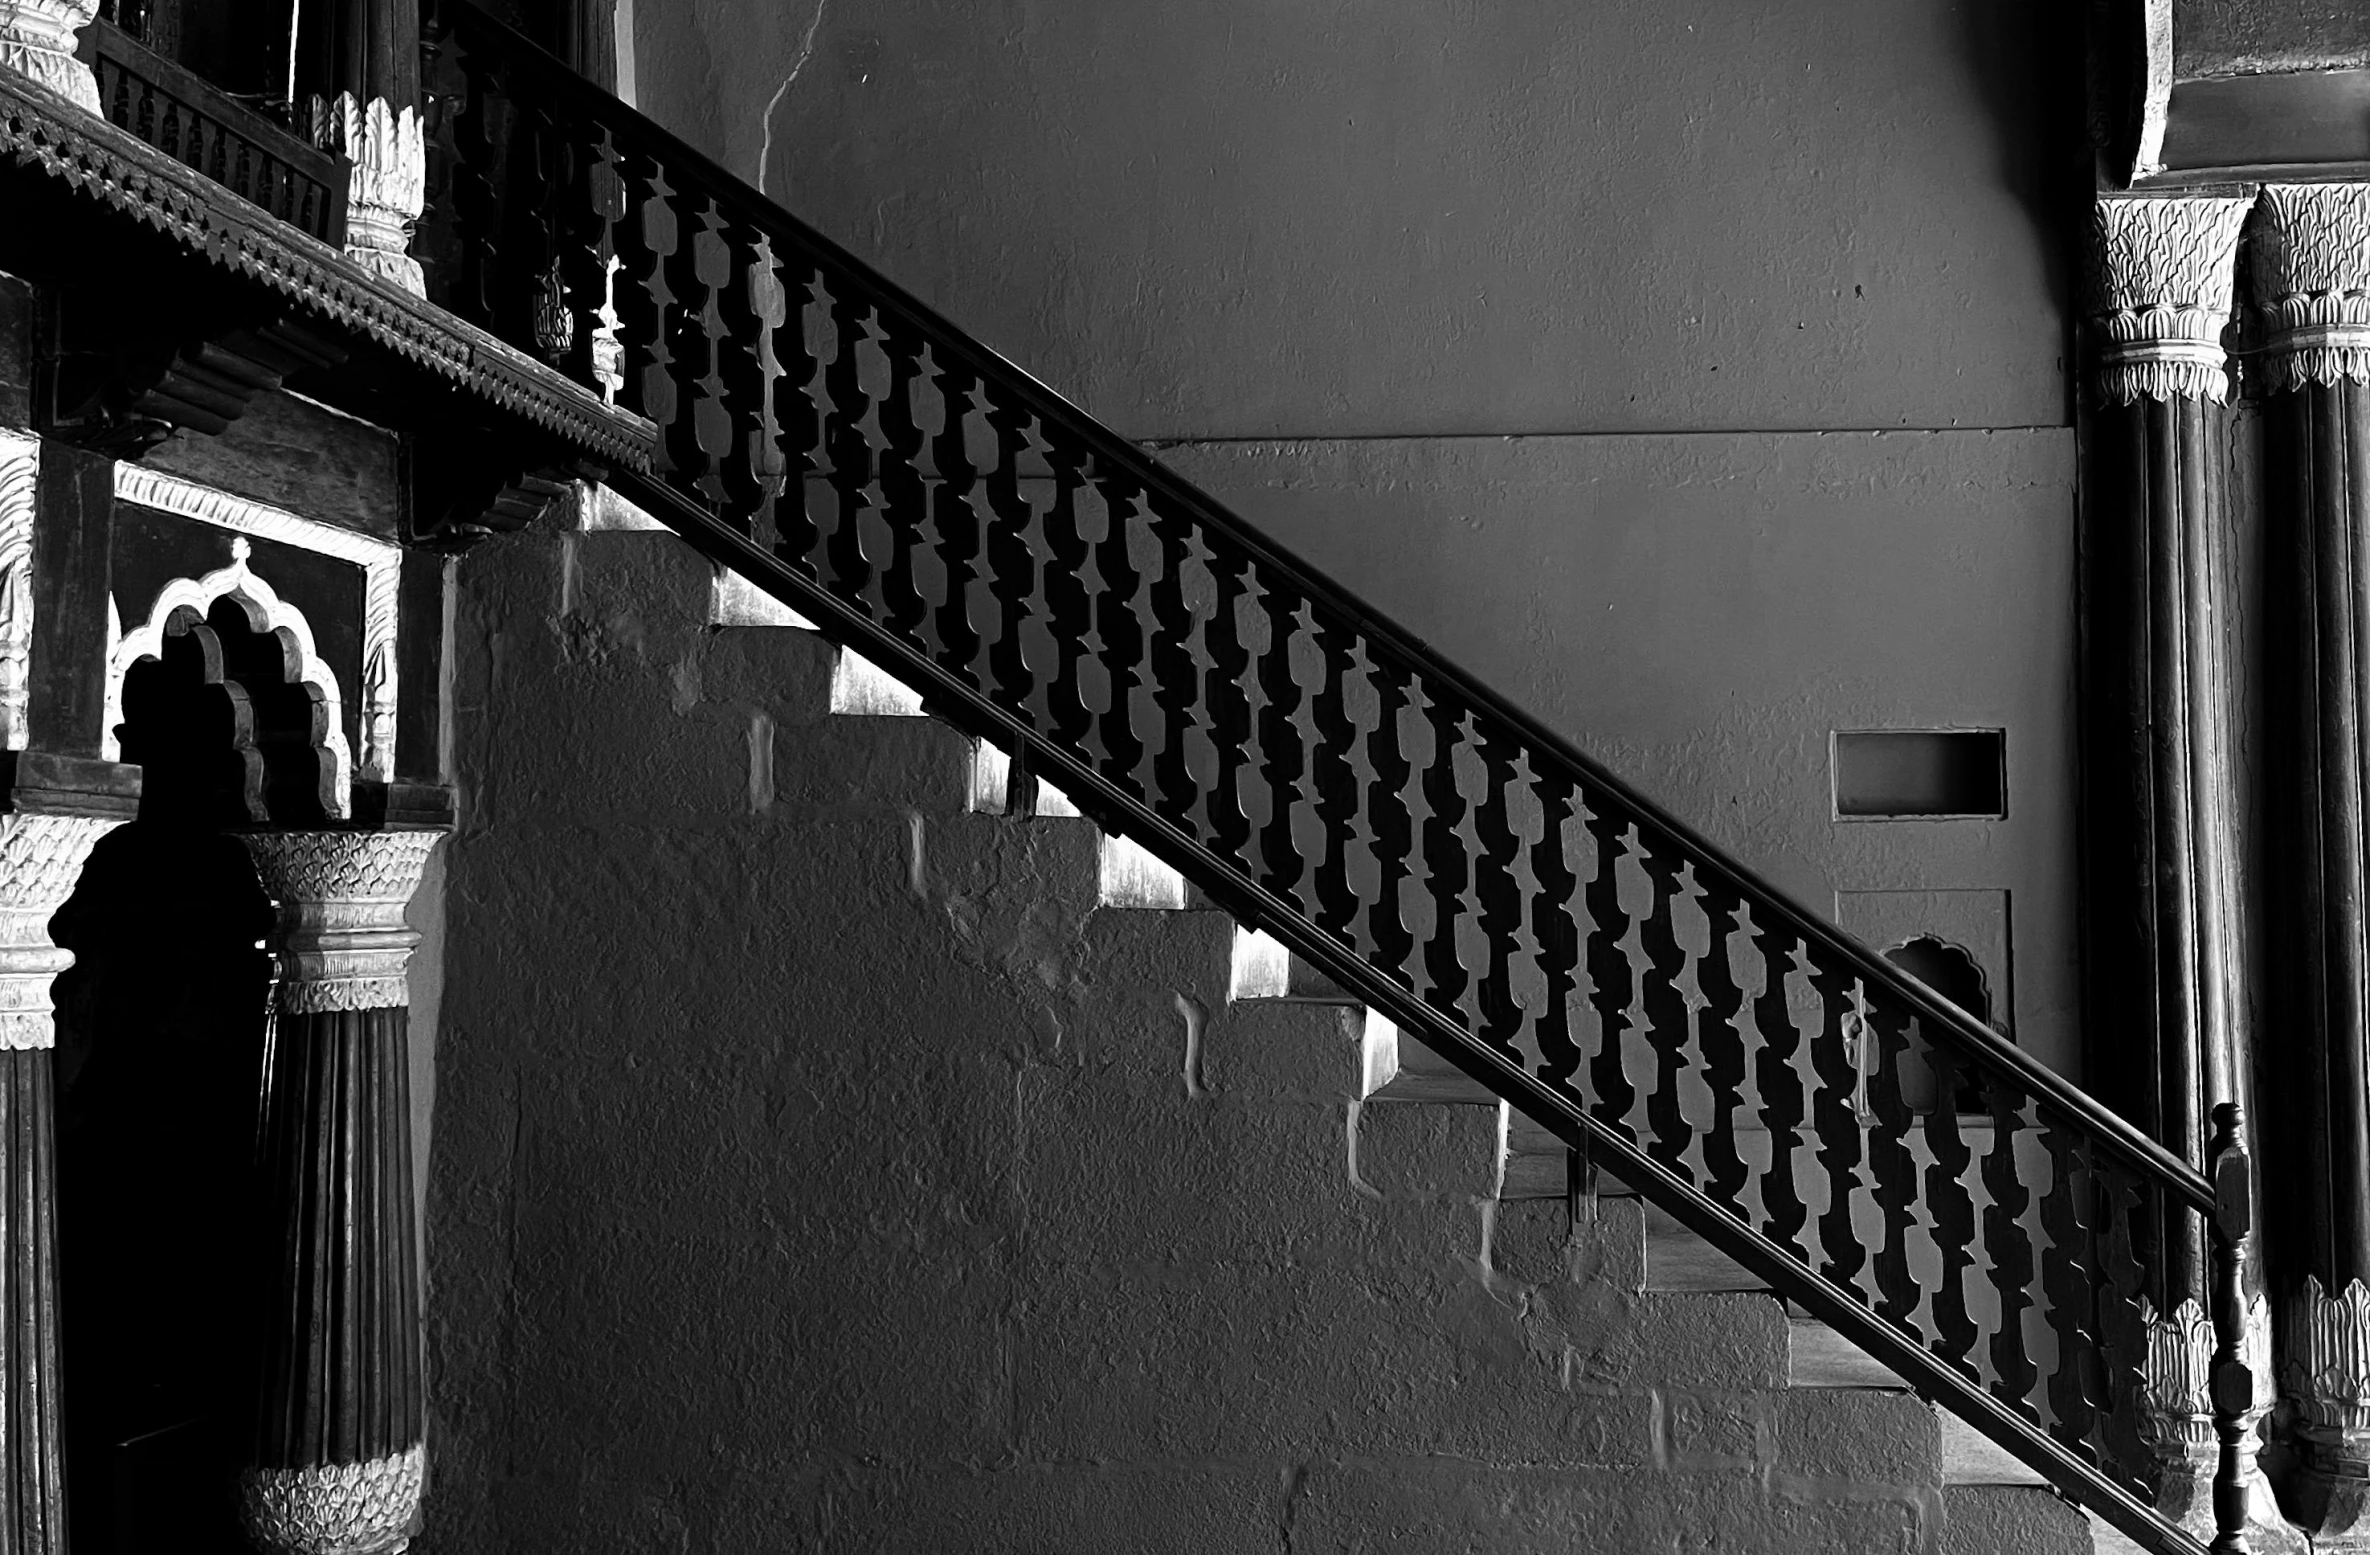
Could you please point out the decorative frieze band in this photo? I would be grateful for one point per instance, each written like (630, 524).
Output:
(41, 857)
(390, 181)
(2161, 277)
(341, 942)
(334, 1508)
(2312, 284)
(37, 40)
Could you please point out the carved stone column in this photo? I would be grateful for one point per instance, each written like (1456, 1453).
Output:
(2311, 265)
(339, 1452)
(37, 39)
(359, 77)
(40, 858)
(2169, 1008)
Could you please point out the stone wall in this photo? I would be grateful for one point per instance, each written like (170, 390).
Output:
(818, 1168)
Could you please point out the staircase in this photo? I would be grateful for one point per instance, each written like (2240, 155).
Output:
(1268, 746)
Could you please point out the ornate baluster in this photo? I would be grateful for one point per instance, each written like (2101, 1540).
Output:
(2124, 1311)
(1952, 1208)
(1609, 979)
(1497, 889)
(1890, 1165)
(799, 403)
(647, 238)
(695, 440)
(1834, 1058)
(905, 496)
(748, 468)
(1393, 946)
(1283, 752)
(1556, 929)
(1669, 1133)
(2010, 1246)
(1779, 1083)
(1720, 1038)
(956, 522)
(1120, 636)
(1446, 864)
(2066, 1283)
(1176, 685)
(848, 571)
(1012, 560)
(2239, 1391)
(1069, 613)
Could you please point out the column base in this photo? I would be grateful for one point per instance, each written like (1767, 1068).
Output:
(2182, 1478)
(335, 1508)
(2324, 1487)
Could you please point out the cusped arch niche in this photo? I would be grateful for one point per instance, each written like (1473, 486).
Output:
(1953, 972)
(184, 605)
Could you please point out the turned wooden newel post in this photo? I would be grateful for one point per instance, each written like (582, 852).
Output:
(2239, 1399)
(339, 1455)
(2311, 273)
(2170, 1011)
(358, 79)
(41, 856)
(37, 39)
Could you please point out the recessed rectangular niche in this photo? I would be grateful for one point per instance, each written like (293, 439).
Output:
(1920, 774)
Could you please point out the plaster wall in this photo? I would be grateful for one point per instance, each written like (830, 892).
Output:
(1559, 332)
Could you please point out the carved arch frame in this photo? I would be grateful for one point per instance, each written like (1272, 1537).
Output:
(381, 562)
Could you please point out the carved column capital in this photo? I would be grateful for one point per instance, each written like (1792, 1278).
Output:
(2327, 1375)
(37, 40)
(2175, 1418)
(2312, 283)
(2161, 278)
(342, 942)
(388, 190)
(41, 856)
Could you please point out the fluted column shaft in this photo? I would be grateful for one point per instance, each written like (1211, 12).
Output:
(2311, 273)
(40, 858)
(2170, 1010)
(339, 1451)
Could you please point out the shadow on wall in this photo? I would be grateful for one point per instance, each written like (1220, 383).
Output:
(2025, 59)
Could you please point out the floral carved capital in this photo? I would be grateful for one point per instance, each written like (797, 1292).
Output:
(2162, 274)
(37, 41)
(342, 942)
(2312, 284)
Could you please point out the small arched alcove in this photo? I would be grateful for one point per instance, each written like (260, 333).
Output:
(1954, 974)
(161, 1053)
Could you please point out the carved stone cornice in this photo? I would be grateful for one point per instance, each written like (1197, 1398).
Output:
(390, 181)
(116, 169)
(2161, 275)
(2312, 284)
(334, 1508)
(341, 942)
(41, 857)
(37, 41)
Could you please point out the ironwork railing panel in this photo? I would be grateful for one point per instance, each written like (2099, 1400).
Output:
(1879, 1156)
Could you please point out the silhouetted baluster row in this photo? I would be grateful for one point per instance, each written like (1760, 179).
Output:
(2066, 1283)
(1890, 1163)
(1720, 1041)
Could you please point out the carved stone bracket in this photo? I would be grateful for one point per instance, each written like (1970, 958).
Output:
(2312, 283)
(37, 40)
(390, 181)
(2325, 1384)
(2161, 276)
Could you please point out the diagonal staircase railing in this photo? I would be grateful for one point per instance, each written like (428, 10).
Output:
(1883, 1160)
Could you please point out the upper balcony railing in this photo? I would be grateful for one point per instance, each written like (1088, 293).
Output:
(1778, 1087)
(186, 117)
